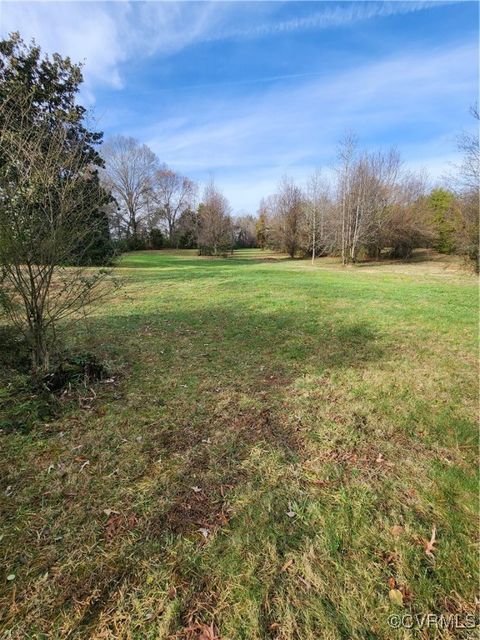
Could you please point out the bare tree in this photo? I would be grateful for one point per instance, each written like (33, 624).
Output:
(47, 220)
(346, 154)
(466, 184)
(173, 194)
(215, 232)
(468, 173)
(407, 223)
(366, 184)
(316, 208)
(128, 174)
(375, 178)
(288, 207)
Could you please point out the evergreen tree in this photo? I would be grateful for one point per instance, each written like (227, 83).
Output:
(441, 204)
(261, 230)
(39, 91)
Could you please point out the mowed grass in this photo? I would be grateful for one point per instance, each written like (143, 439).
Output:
(276, 446)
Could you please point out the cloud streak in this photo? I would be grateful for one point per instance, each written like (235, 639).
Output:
(106, 35)
(251, 127)
(293, 129)
(339, 16)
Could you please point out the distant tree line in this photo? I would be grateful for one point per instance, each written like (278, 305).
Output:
(155, 207)
(370, 209)
(374, 208)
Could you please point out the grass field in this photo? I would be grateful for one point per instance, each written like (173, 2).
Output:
(268, 460)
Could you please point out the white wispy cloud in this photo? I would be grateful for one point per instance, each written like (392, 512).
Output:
(84, 31)
(292, 124)
(106, 35)
(345, 14)
(249, 142)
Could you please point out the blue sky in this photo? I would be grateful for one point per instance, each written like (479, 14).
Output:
(251, 91)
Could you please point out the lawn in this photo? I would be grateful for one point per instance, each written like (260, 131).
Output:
(267, 460)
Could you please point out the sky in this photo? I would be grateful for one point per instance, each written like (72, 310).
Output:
(248, 92)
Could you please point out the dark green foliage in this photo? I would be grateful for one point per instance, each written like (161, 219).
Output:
(41, 92)
(261, 229)
(83, 368)
(155, 239)
(441, 203)
(186, 233)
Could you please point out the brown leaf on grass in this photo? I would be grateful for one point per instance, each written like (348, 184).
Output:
(287, 564)
(118, 522)
(318, 483)
(397, 530)
(389, 558)
(407, 594)
(430, 544)
(172, 592)
(201, 631)
(113, 526)
(392, 583)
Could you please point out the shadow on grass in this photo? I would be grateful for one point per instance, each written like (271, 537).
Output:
(200, 262)
(210, 358)
(225, 336)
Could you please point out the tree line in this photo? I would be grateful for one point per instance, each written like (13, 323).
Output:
(154, 206)
(369, 207)
(373, 208)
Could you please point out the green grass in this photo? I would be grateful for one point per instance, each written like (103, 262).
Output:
(346, 398)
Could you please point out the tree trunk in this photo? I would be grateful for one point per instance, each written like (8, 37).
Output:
(40, 351)
(313, 243)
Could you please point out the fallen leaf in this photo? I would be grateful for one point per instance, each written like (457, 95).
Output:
(407, 594)
(201, 631)
(291, 514)
(196, 489)
(109, 512)
(396, 597)
(397, 530)
(11, 577)
(430, 545)
(287, 564)
(392, 583)
(204, 531)
(172, 592)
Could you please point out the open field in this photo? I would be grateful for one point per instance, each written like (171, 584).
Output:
(275, 446)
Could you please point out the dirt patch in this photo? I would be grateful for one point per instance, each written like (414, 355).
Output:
(194, 510)
(264, 426)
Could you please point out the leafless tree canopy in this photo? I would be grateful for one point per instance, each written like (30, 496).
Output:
(215, 232)
(318, 210)
(173, 194)
(129, 174)
(373, 206)
(287, 216)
